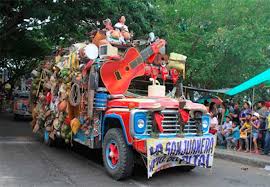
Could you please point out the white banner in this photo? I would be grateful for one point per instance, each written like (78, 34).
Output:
(169, 152)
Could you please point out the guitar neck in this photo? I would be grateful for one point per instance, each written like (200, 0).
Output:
(147, 52)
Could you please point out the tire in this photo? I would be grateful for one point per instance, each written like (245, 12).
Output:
(186, 168)
(47, 140)
(117, 167)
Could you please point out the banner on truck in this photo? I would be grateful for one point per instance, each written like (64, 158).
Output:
(170, 152)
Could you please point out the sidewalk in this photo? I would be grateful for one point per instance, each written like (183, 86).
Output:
(243, 158)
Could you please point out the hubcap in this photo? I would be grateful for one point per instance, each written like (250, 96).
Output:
(112, 154)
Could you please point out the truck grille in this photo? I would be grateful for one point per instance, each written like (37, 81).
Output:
(170, 123)
(190, 127)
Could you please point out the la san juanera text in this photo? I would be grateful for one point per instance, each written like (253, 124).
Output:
(190, 151)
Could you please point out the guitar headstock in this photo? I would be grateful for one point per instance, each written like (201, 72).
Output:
(157, 45)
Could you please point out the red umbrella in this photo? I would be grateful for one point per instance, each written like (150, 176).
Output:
(209, 99)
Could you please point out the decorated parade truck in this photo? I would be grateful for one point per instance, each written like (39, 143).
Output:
(98, 93)
(21, 105)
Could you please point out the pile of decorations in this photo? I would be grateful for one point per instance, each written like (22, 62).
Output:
(65, 85)
(62, 96)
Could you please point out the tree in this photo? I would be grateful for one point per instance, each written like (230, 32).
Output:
(226, 41)
(31, 29)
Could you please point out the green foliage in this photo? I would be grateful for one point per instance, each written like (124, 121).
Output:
(34, 28)
(226, 41)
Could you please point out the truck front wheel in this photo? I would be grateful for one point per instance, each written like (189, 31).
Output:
(117, 155)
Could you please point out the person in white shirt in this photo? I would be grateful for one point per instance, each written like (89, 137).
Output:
(214, 127)
(224, 131)
(121, 24)
(122, 28)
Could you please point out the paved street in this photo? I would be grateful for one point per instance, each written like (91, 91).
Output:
(25, 161)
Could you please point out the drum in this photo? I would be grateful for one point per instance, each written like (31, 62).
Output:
(91, 51)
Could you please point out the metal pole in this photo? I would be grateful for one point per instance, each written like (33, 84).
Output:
(252, 111)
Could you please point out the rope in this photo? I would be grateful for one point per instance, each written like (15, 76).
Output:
(75, 95)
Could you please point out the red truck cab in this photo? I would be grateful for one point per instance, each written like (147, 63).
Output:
(129, 124)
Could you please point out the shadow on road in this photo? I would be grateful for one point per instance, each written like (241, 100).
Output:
(22, 128)
(140, 171)
(14, 128)
(95, 156)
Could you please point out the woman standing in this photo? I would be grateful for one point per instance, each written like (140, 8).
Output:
(213, 108)
(214, 127)
(224, 112)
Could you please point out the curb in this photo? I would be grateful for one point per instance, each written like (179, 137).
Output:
(243, 158)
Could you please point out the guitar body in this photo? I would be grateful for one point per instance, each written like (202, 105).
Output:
(117, 75)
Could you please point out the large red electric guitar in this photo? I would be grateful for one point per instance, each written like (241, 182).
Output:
(117, 75)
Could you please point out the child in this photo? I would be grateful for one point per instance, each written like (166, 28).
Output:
(255, 130)
(224, 132)
(245, 133)
(234, 136)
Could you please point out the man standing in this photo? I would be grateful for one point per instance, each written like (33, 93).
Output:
(267, 137)
(263, 111)
(235, 114)
(261, 108)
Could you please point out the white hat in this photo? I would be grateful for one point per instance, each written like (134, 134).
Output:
(248, 102)
(256, 114)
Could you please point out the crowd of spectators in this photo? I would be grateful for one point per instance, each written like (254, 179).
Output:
(241, 129)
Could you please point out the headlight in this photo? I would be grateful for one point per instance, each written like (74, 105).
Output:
(205, 124)
(140, 122)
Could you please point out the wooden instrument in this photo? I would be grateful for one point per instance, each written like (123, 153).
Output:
(117, 75)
